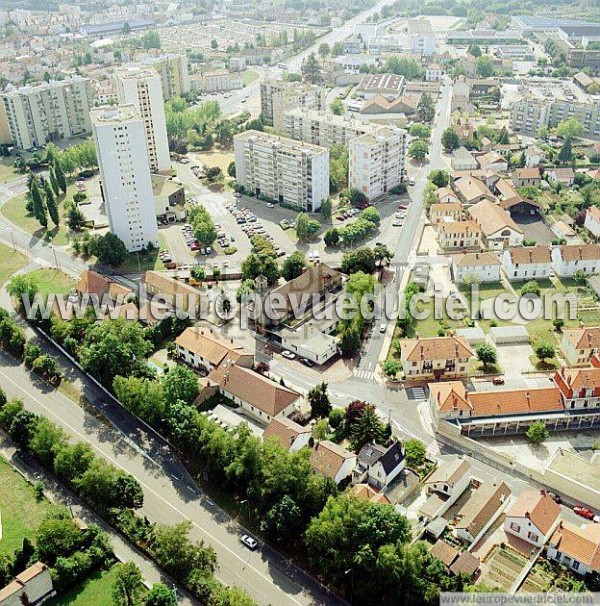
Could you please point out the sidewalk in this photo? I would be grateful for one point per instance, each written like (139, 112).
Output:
(56, 493)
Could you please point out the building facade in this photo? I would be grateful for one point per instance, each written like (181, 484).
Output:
(174, 74)
(278, 97)
(51, 111)
(284, 170)
(120, 137)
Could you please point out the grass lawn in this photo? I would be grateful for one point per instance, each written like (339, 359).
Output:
(11, 262)
(14, 210)
(222, 159)
(95, 591)
(137, 262)
(21, 512)
(50, 280)
(7, 170)
(431, 326)
(249, 76)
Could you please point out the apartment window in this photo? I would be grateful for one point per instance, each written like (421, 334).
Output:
(534, 537)
(515, 527)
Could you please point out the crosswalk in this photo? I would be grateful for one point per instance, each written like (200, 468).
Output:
(416, 393)
(367, 375)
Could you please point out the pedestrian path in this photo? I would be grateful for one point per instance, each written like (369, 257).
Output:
(367, 375)
(416, 393)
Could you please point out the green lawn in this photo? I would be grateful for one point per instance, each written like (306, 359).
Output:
(10, 262)
(137, 262)
(249, 76)
(7, 170)
(14, 210)
(50, 280)
(95, 591)
(21, 512)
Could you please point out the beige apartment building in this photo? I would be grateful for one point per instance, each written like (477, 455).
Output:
(174, 74)
(377, 161)
(47, 112)
(278, 97)
(318, 128)
(284, 170)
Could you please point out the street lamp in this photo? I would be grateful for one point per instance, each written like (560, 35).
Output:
(347, 572)
(246, 502)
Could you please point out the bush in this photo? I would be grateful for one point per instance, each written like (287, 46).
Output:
(230, 250)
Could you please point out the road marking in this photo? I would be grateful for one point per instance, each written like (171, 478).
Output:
(364, 374)
(151, 490)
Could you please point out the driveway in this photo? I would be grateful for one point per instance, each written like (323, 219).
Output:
(514, 358)
(534, 228)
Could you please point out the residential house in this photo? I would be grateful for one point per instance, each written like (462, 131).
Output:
(366, 492)
(32, 586)
(499, 230)
(204, 350)
(332, 460)
(480, 511)
(528, 176)
(451, 478)
(577, 548)
(465, 564)
(564, 176)
(568, 259)
(174, 292)
(433, 73)
(534, 156)
(446, 196)
(579, 387)
(580, 344)
(444, 552)
(459, 234)
(492, 160)
(94, 284)
(476, 267)
(471, 190)
(378, 465)
(532, 517)
(592, 221)
(462, 159)
(435, 357)
(527, 263)
(444, 212)
(289, 434)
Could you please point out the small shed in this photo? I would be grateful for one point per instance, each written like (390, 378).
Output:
(436, 527)
(474, 336)
(506, 335)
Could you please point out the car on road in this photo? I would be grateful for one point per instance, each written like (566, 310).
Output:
(270, 205)
(382, 328)
(402, 207)
(584, 512)
(307, 362)
(397, 223)
(498, 381)
(249, 542)
(288, 354)
(411, 181)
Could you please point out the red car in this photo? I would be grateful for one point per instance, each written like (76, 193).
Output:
(402, 207)
(584, 512)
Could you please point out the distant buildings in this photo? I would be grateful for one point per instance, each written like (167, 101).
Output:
(277, 97)
(281, 169)
(421, 37)
(47, 112)
(221, 80)
(142, 87)
(174, 74)
(377, 161)
(120, 136)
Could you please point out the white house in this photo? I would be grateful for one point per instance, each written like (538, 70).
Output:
(462, 159)
(450, 479)
(332, 460)
(493, 161)
(592, 221)
(289, 434)
(568, 259)
(532, 517)
(434, 73)
(580, 344)
(378, 465)
(527, 263)
(477, 267)
(459, 234)
(576, 548)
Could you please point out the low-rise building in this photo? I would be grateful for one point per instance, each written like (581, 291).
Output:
(471, 190)
(564, 176)
(444, 212)
(289, 434)
(456, 235)
(568, 259)
(579, 387)
(527, 176)
(176, 293)
(437, 357)
(576, 548)
(332, 461)
(451, 478)
(378, 465)
(527, 263)
(390, 86)
(433, 73)
(498, 228)
(32, 586)
(580, 344)
(481, 510)
(476, 267)
(592, 221)
(463, 159)
(532, 517)
(221, 80)
(493, 161)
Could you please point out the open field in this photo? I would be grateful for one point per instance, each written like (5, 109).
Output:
(95, 591)
(136, 262)
(222, 159)
(249, 76)
(11, 261)
(50, 280)
(21, 512)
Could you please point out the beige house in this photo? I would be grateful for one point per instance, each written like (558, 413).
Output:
(435, 358)
(576, 548)
(592, 221)
(580, 344)
(332, 460)
(450, 211)
(527, 176)
(568, 259)
(476, 267)
(459, 234)
(471, 190)
(289, 434)
(499, 230)
(174, 292)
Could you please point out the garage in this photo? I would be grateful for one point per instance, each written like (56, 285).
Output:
(509, 335)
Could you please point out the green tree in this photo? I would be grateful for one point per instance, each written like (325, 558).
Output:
(284, 520)
(421, 131)
(367, 428)
(450, 139)
(109, 249)
(537, 432)
(484, 66)
(318, 398)
(425, 108)
(53, 181)
(46, 441)
(37, 201)
(72, 461)
(75, 218)
(56, 536)
(324, 50)
(160, 595)
(331, 237)
(571, 128)
(531, 287)
(403, 66)
(128, 586)
(325, 209)
(418, 149)
(486, 354)
(293, 265)
(391, 368)
(337, 107)
(306, 228)
(214, 44)
(371, 214)
(51, 203)
(545, 351)
(441, 178)
(60, 176)
(565, 155)
(382, 254)
(22, 287)
(180, 383)
(415, 453)
(474, 50)
(311, 70)
(362, 259)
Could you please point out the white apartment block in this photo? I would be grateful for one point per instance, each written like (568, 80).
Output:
(47, 112)
(278, 97)
(287, 171)
(120, 136)
(174, 74)
(377, 161)
(142, 87)
(420, 37)
(221, 80)
(322, 129)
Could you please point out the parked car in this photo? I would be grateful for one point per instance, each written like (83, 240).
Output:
(584, 512)
(307, 362)
(288, 354)
(270, 205)
(249, 542)
(382, 328)
(411, 181)
(498, 381)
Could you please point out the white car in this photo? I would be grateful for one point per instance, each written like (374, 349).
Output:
(382, 328)
(249, 542)
(288, 354)
(270, 205)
